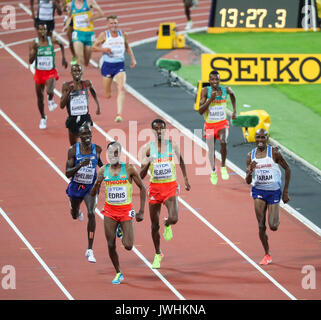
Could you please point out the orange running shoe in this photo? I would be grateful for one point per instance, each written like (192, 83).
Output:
(266, 260)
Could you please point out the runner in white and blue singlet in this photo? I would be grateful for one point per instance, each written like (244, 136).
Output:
(263, 162)
(113, 44)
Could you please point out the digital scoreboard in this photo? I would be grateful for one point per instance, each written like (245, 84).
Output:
(260, 14)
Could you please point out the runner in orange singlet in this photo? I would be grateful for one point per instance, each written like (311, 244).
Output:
(118, 178)
(163, 189)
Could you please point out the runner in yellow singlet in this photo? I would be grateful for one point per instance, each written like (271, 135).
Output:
(158, 157)
(118, 178)
(213, 108)
(70, 29)
(83, 36)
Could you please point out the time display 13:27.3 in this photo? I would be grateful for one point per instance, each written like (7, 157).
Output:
(252, 18)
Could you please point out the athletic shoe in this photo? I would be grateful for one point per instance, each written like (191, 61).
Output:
(189, 25)
(213, 178)
(90, 255)
(119, 231)
(168, 233)
(224, 173)
(157, 260)
(266, 260)
(119, 118)
(118, 278)
(80, 216)
(195, 3)
(43, 123)
(52, 105)
(74, 60)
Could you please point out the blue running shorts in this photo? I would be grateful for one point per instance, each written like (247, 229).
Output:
(109, 70)
(78, 191)
(269, 196)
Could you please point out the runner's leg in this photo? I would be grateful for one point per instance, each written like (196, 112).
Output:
(154, 212)
(110, 226)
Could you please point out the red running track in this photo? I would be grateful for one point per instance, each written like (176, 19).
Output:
(199, 264)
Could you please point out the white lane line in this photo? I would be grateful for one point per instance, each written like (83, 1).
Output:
(43, 155)
(26, 65)
(36, 255)
(185, 131)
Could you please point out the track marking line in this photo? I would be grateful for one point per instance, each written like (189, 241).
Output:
(200, 217)
(36, 255)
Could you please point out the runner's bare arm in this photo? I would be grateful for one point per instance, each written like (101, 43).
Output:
(99, 150)
(181, 164)
(68, 20)
(32, 9)
(98, 42)
(130, 52)
(58, 7)
(99, 180)
(99, 13)
(204, 102)
(66, 89)
(33, 48)
(71, 169)
(145, 161)
(132, 172)
(281, 161)
(233, 100)
(62, 48)
(250, 166)
(93, 93)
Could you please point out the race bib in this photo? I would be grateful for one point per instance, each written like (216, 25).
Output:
(45, 63)
(85, 175)
(117, 194)
(131, 213)
(216, 113)
(80, 21)
(162, 171)
(78, 105)
(263, 177)
(46, 11)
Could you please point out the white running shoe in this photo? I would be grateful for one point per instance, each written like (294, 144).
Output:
(195, 3)
(52, 105)
(80, 216)
(43, 123)
(90, 255)
(189, 25)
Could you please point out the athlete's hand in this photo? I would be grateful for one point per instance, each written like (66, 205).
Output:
(285, 196)
(234, 115)
(140, 216)
(252, 166)
(106, 50)
(64, 63)
(70, 88)
(85, 162)
(187, 185)
(133, 64)
(98, 110)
